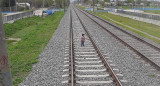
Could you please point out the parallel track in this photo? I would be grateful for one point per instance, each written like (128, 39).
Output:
(147, 51)
(71, 53)
(87, 65)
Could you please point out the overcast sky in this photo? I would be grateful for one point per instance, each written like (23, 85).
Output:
(71, 0)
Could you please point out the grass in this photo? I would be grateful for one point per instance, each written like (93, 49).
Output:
(4, 14)
(142, 26)
(153, 11)
(129, 7)
(10, 41)
(35, 33)
(81, 7)
(125, 7)
(152, 75)
(10, 29)
(26, 10)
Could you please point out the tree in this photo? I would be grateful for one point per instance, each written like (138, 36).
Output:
(59, 3)
(129, 1)
(5, 3)
(106, 0)
(37, 3)
(1, 3)
(138, 1)
(67, 2)
(102, 3)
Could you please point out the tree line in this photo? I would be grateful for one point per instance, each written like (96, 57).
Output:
(61, 3)
(118, 2)
(35, 3)
(7, 3)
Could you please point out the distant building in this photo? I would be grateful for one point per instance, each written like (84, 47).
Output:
(100, 0)
(23, 5)
(98, 4)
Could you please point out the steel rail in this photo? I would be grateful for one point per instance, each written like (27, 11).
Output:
(119, 28)
(106, 64)
(71, 52)
(132, 48)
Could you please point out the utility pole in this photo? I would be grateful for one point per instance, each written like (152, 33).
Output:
(93, 5)
(64, 5)
(5, 73)
(16, 4)
(79, 2)
(10, 5)
(25, 5)
(116, 2)
(43, 4)
(42, 7)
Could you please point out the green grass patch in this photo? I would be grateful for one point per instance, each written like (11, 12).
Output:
(153, 11)
(129, 7)
(35, 33)
(142, 26)
(11, 29)
(10, 41)
(125, 7)
(26, 10)
(81, 7)
(4, 14)
(153, 75)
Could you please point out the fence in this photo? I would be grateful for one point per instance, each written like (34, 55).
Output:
(13, 17)
(13, 9)
(143, 15)
(7, 9)
(145, 8)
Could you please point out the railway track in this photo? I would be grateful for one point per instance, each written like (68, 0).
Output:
(86, 66)
(149, 52)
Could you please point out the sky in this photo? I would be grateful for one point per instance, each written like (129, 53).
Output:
(71, 0)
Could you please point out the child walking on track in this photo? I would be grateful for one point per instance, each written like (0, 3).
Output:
(82, 40)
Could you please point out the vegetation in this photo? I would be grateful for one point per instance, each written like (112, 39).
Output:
(19, 25)
(125, 7)
(7, 3)
(60, 3)
(153, 11)
(115, 3)
(34, 33)
(36, 3)
(152, 75)
(81, 7)
(91, 2)
(142, 26)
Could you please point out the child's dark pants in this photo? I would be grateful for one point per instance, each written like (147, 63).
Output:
(82, 43)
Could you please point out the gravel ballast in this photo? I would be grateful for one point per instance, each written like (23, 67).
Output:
(91, 69)
(134, 70)
(48, 70)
